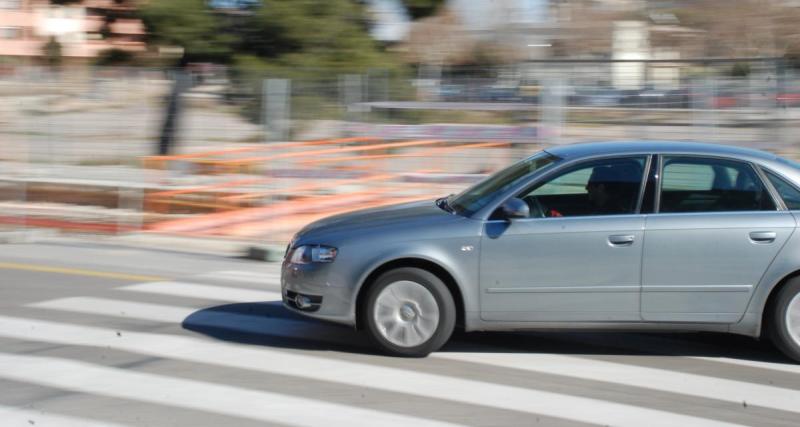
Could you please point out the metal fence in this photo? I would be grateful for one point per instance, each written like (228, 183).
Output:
(259, 157)
(743, 101)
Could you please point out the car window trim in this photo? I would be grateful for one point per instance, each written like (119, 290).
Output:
(531, 176)
(753, 166)
(775, 193)
(643, 183)
(659, 178)
(650, 188)
(567, 165)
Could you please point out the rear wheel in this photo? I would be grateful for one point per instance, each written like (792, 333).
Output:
(784, 323)
(409, 312)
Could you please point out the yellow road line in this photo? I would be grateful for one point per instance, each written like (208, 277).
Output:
(79, 272)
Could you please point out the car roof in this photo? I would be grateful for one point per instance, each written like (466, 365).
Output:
(576, 151)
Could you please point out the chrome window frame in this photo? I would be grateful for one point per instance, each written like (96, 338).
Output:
(779, 205)
(648, 164)
(775, 193)
(566, 165)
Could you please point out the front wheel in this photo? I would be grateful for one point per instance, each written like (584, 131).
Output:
(784, 325)
(409, 312)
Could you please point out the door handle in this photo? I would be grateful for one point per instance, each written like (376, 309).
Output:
(763, 236)
(621, 239)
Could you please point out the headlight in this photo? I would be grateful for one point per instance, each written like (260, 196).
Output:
(307, 254)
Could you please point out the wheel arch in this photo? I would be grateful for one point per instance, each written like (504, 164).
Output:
(424, 264)
(770, 301)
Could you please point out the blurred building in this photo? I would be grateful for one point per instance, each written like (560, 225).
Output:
(468, 31)
(83, 29)
(390, 20)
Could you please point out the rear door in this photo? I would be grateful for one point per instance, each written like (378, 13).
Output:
(716, 231)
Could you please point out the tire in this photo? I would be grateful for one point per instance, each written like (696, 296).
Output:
(409, 312)
(783, 331)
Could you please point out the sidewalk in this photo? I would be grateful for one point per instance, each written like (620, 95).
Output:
(199, 245)
(221, 247)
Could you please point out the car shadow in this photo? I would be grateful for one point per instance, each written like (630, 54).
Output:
(270, 324)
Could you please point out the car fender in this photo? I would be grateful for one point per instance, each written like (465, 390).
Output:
(452, 255)
(786, 262)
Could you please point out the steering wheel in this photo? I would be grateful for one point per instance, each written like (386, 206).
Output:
(536, 208)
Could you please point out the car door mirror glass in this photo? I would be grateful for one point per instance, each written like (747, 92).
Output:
(515, 208)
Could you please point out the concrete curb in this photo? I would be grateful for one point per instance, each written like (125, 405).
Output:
(266, 253)
(194, 245)
(26, 235)
(200, 245)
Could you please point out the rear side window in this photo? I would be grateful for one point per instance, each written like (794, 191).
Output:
(696, 184)
(789, 194)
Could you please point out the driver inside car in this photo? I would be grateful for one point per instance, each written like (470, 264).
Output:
(611, 190)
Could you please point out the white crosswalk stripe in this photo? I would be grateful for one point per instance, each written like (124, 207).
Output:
(194, 290)
(782, 367)
(655, 379)
(240, 322)
(245, 277)
(112, 307)
(278, 327)
(665, 343)
(343, 372)
(31, 417)
(256, 315)
(191, 394)
(635, 376)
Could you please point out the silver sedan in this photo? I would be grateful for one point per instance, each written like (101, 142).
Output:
(631, 236)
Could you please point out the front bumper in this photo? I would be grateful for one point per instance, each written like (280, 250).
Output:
(330, 295)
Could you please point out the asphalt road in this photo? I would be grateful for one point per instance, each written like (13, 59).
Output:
(94, 334)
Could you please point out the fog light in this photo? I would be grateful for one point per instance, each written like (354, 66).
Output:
(302, 302)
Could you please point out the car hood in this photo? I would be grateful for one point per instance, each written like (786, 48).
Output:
(406, 216)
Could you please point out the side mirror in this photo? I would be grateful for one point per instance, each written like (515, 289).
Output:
(515, 208)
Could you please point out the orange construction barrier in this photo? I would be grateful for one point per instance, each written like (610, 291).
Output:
(160, 162)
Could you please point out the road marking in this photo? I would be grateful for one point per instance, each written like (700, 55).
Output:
(35, 417)
(316, 368)
(558, 365)
(252, 277)
(78, 272)
(194, 290)
(783, 367)
(192, 394)
(275, 326)
(117, 308)
(193, 318)
(737, 392)
(665, 345)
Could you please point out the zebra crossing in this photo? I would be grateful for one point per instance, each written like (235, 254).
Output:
(219, 346)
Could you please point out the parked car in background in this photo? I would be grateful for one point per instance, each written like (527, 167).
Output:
(628, 236)
(788, 95)
(597, 97)
(650, 97)
(453, 92)
(499, 93)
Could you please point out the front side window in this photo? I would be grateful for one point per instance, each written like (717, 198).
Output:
(695, 184)
(789, 194)
(480, 194)
(601, 187)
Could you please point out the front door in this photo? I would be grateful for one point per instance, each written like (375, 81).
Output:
(578, 258)
(716, 233)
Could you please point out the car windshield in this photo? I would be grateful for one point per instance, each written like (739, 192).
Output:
(479, 195)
